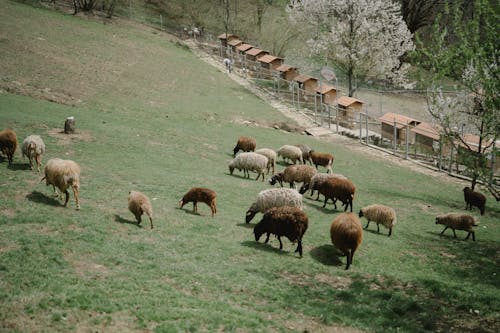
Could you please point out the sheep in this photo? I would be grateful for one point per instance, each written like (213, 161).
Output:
(323, 159)
(287, 221)
(33, 148)
(317, 180)
(8, 143)
(338, 189)
(473, 198)
(63, 174)
(249, 162)
(306, 151)
(346, 233)
(459, 222)
(273, 197)
(294, 173)
(271, 157)
(200, 194)
(379, 214)
(245, 143)
(290, 152)
(138, 204)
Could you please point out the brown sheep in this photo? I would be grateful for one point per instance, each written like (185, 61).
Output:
(245, 143)
(200, 194)
(323, 159)
(63, 174)
(338, 189)
(306, 151)
(300, 173)
(8, 143)
(287, 221)
(346, 233)
(458, 222)
(138, 204)
(473, 198)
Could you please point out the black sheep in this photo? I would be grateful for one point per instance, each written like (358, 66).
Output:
(473, 198)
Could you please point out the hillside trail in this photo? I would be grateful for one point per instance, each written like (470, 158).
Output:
(305, 121)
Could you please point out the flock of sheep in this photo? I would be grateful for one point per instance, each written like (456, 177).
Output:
(282, 208)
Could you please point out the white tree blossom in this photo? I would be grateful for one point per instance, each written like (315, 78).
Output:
(362, 37)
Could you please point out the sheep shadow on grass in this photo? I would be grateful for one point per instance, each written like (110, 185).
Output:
(19, 166)
(122, 220)
(40, 197)
(246, 225)
(327, 255)
(261, 246)
(189, 210)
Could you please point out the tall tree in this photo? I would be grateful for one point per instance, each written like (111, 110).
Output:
(419, 13)
(467, 51)
(362, 37)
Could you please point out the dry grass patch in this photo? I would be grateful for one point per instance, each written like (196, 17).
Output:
(66, 139)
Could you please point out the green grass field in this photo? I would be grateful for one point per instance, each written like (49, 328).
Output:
(151, 116)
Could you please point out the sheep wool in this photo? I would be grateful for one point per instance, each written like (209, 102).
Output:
(338, 189)
(306, 151)
(317, 180)
(139, 204)
(379, 214)
(249, 162)
(294, 173)
(8, 144)
(271, 158)
(63, 174)
(292, 153)
(473, 198)
(322, 159)
(200, 194)
(245, 143)
(33, 148)
(274, 197)
(458, 222)
(346, 233)
(287, 221)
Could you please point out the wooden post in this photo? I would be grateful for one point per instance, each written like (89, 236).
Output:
(69, 125)
(394, 136)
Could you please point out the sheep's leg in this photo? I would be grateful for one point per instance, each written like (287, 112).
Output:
(195, 206)
(151, 221)
(454, 234)
(367, 224)
(317, 198)
(326, 199)
(350, 254)
(213, 208)
(443, 230)
(390, 232)
(299, 248)
(378, 229)
(38, 162)
(473, 235)
(138, 217)
(281, 244)
(67, 198)
(267, 238)
(75, 193)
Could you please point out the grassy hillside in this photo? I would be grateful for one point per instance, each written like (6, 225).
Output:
(150, 116)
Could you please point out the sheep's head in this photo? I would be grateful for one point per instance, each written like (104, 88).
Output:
(258, 230)
(303, 189)
(438, 219)
(250, 215)
(276, 178)
(231, 169)
(360, 213)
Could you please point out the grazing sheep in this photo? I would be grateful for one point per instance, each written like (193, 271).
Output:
(274, 197)
(306, 151)
(290, 152)
(338, 189)
(346, 233)
(323, 159)
(294, 173)
(317, 180)
(138, 204)
(8, 143)
(245, 143)
(458, 222)
(473, 198)
(33, 148)
(271, 157)
(287, 221)
(63, 174)
(379, 214)
(249, 162)
(200, 194)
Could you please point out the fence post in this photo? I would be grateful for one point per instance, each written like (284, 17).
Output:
(440, 158)
(293, 94)
(407, 139)
(451, 160)
(366, 127)
(394, 137)
(337, 117)
(360, 128)
(329, 116)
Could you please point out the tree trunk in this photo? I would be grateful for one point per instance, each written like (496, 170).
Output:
(69, 125)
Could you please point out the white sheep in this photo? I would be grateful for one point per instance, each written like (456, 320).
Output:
(459, 222)
(138, 204)
(274, 197)
(379, 214)
(63, 174)
(33, 148)
(290, 152)
(249, 162)
(271, 157)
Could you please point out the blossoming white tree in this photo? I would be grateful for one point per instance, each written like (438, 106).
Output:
(361, 37)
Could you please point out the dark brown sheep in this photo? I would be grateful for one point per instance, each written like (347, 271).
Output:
(346, 233)
(287, 221)
(245, 143)
(323, 159)
(294, 173)
(473, 198)
(338, 189)
(8, 143)
(200, 194)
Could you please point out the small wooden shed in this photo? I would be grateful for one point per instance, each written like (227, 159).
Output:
(287, 72)
(270, 62)
(242, 48)
(306, 82)
(349, 109)
(233, 43)
(396, 122)
(224, 39)
(427, 137)
(328, 93)
(253, 53)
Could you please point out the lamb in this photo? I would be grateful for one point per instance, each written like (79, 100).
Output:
(379, 214)
(8, 143)
(245, 143)
(458, 222)
(200, 194)
(346, 233)
(138, 204)
(306, 151)
(290, 152)
(271, 157)
(338, 189)
(287, 221)
(274, 197)
(323, 159)
(317, 180)
(63, 174)
(33, 148)
(473, 198)
(294, 173)
(249, 162)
